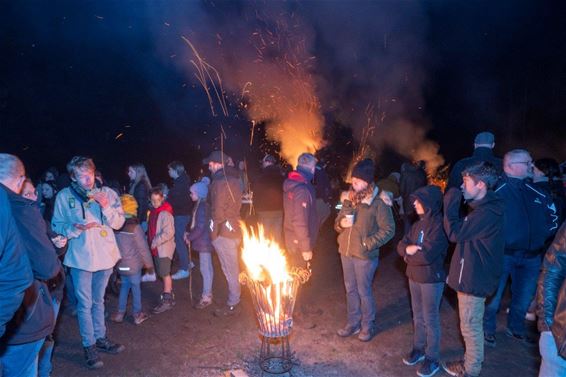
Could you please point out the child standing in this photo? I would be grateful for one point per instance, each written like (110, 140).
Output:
(161, 238)
(424, 248)
(135, 256)
(198, 235)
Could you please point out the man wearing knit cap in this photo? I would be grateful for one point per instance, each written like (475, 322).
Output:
(483, 151)
(226, 201)
(300, 225)
(365, 223)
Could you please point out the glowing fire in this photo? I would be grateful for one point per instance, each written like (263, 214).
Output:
(273, 286)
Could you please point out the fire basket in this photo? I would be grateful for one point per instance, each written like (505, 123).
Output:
(273, 288)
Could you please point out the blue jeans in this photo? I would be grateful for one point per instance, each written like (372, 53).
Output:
(132, 282)
(89, 289)
(524, 274)
(358, 279)
(20, 360)
(227, 251)
(425, 302)
(46, 353)
(552, 363)
(181, 248)
(207, 272)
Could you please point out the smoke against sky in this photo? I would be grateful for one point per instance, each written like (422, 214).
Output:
(432, 73)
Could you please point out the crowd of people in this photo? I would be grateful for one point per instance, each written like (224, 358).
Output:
(498, 219)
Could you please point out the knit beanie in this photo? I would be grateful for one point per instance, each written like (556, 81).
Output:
(201, 189)
(129, 205)
(364, 170)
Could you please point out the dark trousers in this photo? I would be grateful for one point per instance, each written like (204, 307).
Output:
(425, 303)
(524, 274)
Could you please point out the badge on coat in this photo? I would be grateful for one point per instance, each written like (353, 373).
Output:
(103, 233)
(71, 202)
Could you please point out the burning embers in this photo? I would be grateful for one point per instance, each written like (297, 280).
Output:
(273, 287)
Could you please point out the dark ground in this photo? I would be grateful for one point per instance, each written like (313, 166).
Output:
(190, 342)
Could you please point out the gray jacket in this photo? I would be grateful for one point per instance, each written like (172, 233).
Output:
(133, 248)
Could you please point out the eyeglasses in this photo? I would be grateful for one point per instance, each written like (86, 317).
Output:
(523, 162)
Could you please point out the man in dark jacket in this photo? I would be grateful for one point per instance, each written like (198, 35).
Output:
(477, 262)
(226, 200)
(551, 308)
(299, 207)
(483, 151)
(268, 198)
(15, 271)
(180, 198)
(529, 222)
(35, 320)
(413, 177)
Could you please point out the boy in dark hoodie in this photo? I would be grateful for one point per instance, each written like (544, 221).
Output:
(477, 263)
(424, 248)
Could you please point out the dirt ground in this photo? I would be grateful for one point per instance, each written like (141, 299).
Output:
(190, 342)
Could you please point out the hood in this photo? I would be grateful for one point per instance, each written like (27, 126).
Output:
(226, 171)
(430, 197)
(294, 179)
(491, 202)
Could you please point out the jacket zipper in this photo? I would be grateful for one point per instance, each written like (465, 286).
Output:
(461, 270)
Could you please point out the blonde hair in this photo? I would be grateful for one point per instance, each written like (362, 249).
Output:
(141, 176)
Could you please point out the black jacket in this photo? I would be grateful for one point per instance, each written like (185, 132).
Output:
(480, 154)
(300, 216)
(530, 216)
(180, 196)
(268, 189)
(15, 270)
(551, 292)
(477, 263)
(35, 319)
(426, 265)
(141, 194)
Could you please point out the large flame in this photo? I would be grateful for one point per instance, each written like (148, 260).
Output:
(273, 294)
(264, 259)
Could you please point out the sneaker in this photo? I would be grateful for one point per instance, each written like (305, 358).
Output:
(348, 331)
(181, 274)
(117, 317)
(454, 368)
(108, 346)
(428, 368)
(148, 278)
(489, 340)
(521, 338)
(367, 335)
(140, 317)
(203, 303)
(228, 310)
(167, 303)
(414, 357)
(92, 359)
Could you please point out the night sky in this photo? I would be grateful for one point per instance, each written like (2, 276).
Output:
(76, 75)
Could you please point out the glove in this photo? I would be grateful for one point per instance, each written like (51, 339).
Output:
(307, 255)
